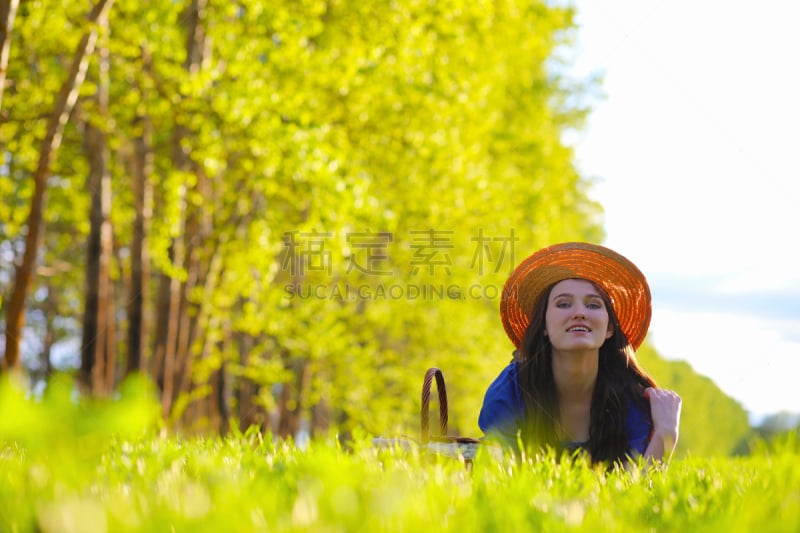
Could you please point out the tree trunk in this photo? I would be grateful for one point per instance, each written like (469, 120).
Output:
(320, 418)
(208, 271)
(172, 310)
(8, 11)
(246, 388)
(97, 348)
(50, 308)
(182, 360)
(160, 337)
(142, 169)
(64, 103)
(292, 401)
(223, 398)
(109, 380)
(175, 340)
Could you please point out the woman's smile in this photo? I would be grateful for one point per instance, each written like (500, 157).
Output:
(576, 317)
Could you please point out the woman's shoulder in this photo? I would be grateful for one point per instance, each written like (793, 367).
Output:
(502, 403)
(506, 383)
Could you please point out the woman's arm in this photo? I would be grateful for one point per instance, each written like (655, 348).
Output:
(665, 409)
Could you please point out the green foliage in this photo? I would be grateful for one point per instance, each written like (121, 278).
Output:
(785, 442)
(777, 432)
(61, 422)
(712, 423)
(406, 119)
(82, 467)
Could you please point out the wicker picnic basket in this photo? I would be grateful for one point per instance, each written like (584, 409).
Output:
(442, 444)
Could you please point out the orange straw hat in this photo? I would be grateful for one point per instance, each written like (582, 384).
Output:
(618, 277)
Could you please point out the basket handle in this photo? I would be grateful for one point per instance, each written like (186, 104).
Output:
(426, 400)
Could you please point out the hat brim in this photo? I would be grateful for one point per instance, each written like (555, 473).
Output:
(624, 283)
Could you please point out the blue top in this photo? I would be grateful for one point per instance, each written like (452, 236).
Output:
(503, 411)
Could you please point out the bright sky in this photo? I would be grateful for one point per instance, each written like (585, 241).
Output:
(695, 149)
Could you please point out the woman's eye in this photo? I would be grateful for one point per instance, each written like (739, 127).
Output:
(594, 306)
(562, 304)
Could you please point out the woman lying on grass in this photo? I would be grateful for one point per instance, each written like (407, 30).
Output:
(576, 313)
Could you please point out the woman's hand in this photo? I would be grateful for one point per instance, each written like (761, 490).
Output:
(665, 409)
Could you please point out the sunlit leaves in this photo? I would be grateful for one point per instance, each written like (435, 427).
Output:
(405, 124)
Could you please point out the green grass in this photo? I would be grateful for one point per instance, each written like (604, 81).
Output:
(72, 467)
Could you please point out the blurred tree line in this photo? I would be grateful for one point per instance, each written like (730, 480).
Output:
(712, 423)
(283, 212)
(192, 188)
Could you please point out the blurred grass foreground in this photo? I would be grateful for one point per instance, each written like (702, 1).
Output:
(69, 465)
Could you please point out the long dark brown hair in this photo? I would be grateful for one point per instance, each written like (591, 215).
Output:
(620, 381)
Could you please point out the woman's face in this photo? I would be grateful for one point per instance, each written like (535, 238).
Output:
(576, 318)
